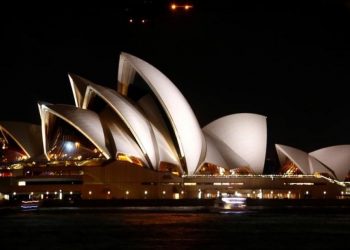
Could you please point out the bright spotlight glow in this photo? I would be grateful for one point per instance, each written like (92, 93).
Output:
(173, 6)
(69, 146)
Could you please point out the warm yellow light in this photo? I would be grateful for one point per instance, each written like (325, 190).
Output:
(173, 6)
(127, 192)
(190, 183)
(109, 192)
(131, 159)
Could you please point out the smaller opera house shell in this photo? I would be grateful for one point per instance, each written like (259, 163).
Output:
(333, 162)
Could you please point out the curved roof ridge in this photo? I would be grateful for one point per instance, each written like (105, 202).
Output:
(181, 116)
(26, 135)
(337, 158)
(85, 121)
(245, 134)
(135, 121)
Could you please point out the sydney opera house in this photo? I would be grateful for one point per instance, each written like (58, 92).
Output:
(143, 141)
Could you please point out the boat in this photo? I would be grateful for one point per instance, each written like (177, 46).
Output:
(230, 203)
(30, 205)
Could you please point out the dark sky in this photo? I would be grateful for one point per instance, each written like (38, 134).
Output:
(288, 61)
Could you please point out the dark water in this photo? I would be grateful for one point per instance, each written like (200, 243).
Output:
(258, 229)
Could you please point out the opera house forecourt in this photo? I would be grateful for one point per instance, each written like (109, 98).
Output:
(120, 144)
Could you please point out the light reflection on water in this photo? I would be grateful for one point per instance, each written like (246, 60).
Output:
(165, 218)
(76, 229)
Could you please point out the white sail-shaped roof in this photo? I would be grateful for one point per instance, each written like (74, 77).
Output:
(245, 134)
(138, 125)
(26, 135)
(86, 122)
(78, 85)
(220, 154)
(213, 155)
(336, 158)
(183, 122)
(122, 142)
(317, 167)
(297, 156)
(167, 150)
(154, 115)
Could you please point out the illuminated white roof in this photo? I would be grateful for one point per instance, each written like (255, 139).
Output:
(86, 122)
(26, 135)
(245, 134)
(317, 167)
(220, 154)
(138, 125)
(167, 150)
(297, 156)
(182, 119)
(78, 85)
(337, 158)
(122, 141)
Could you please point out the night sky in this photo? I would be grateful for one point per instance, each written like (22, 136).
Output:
(290, 61)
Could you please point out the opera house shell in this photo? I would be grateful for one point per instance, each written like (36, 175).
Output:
(333, 162)
(143, 136)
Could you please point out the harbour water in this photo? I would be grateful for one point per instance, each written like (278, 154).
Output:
(255, 228)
